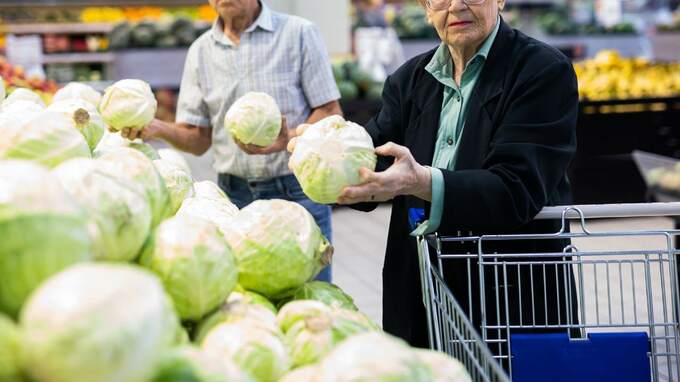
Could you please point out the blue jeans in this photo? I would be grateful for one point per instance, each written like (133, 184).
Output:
(241, 192)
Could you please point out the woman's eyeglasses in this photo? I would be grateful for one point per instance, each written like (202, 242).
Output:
(440, 5)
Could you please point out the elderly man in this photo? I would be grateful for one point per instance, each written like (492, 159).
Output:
(252, 48)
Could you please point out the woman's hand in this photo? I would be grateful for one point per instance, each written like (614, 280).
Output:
(404, 177)
(279, 144)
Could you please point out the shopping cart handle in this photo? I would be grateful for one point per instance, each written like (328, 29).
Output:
(622, 210)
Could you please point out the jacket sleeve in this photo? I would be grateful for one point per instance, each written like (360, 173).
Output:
(528, 157)
(384, 127)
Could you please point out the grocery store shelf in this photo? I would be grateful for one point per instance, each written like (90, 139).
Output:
(58, 28)
(77, 58)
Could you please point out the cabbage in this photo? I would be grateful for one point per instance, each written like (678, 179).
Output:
(195, 263)
(278, 246)
(175, 157)
(328, 156)
(22, 94)
(128, 104)
(137, 168)
(324, 292)
(254, 119)
(86, 117)
(42, 228)
(97, 322)
(10, 342)
(111, 141)
(443, 367)
(79, 91)
(220, 212)
(210, 190)
(301, 374)
(312, 329)
(178, 182)
(239, 306)
(255, 348)
(49, 138)
(17, 114)
(190, 364)
(120, 210)
(375, 357)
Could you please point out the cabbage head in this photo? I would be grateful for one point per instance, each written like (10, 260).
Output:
(43, 231)
(49, 138)
(10, 346)
(325, 292)
(254, 119)
(190, 364)
(135, 167)
(373, 356)
(195, 263)
(17, 114)
(209, 190)
(178, 182)
(257, 349)
(111, 141)
(301, 374)
(328, 156)
(175, 157)
(220, 212)
(79, 91)
(278, 246)
(86, 117)
(443, 367)
(23, 94)
(97, 322)
(120, 210)
(128, 103)
(239, 306)
(312, 329)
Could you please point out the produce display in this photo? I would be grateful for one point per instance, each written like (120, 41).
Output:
(14, 77)
(673, 26)
(610, 76)
(354, 83)
(328, 156)
(103, 281)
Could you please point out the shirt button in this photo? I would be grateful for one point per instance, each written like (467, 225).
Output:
(449, 141)
(457, 98)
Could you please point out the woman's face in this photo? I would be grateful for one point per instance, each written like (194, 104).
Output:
(465, 26)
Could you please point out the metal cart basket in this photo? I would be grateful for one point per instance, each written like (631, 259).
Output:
(622, 299)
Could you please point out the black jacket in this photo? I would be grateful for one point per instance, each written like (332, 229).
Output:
(518, 140)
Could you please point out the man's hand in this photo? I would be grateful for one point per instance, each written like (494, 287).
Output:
(279, 144)
(150, 131)
(293, 140)
(404, 177)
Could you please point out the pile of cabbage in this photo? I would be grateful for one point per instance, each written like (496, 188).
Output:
(117, 266)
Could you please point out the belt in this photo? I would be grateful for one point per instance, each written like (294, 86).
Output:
(256, 183)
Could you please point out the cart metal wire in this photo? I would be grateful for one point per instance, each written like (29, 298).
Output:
(613, 290)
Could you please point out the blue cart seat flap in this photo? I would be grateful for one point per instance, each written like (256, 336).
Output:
(553, 357)
(415, 217)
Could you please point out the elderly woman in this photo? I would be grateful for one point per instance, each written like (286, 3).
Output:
(479, 132)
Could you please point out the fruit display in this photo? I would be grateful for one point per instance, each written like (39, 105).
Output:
(116, 265)
(410, 22)
(558, 22)
(610, 76)
(14, 77)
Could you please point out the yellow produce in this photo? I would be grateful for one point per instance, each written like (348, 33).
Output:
(609, 76)
(102, 15)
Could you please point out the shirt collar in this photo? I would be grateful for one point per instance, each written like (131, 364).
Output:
(264, 21)
(441, 64)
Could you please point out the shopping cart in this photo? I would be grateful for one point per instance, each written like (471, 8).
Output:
(625, 301)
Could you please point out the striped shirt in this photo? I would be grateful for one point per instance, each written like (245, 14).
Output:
(281, 55)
